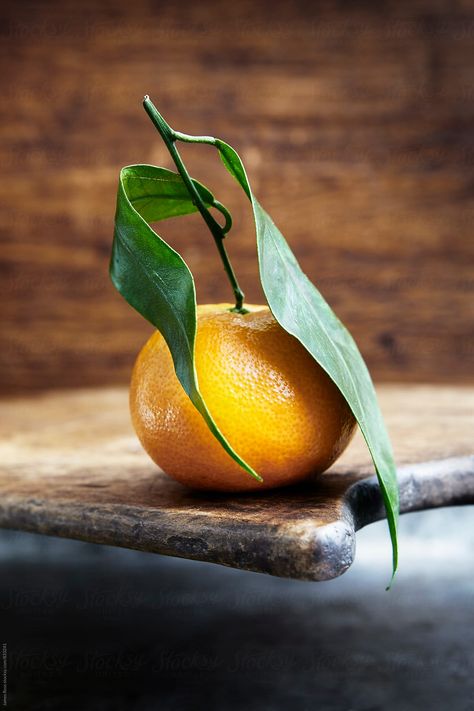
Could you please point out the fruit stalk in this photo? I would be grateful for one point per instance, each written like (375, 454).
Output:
(170, 137)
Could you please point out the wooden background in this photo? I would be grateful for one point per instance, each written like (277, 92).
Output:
(355, 122)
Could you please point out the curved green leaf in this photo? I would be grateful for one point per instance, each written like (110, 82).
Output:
(156, 281)
(302, 311)
(152, 276)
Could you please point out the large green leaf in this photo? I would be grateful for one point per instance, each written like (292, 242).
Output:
(302, 311)
(152, 276)
(156, 281)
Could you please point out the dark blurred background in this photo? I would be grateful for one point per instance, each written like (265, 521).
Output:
(355, 123)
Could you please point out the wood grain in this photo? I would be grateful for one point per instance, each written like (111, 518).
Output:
(354, 122)
(71, 466)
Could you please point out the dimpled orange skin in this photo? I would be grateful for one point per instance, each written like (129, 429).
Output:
(278, 409)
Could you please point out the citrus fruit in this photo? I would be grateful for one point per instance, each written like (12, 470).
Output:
(275, 405)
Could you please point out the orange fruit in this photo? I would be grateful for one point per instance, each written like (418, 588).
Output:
(275, 405)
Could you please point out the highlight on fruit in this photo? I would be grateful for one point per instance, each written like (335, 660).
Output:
(236, 397)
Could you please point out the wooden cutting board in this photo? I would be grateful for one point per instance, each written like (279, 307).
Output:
(71, 466)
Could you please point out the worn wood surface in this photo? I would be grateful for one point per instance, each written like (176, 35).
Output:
(354, 121)
(71, 466)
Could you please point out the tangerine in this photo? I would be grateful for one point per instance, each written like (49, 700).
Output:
(275, 405)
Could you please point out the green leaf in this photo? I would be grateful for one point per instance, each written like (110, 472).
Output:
(302, 311)
(152, 276)
(157, 282)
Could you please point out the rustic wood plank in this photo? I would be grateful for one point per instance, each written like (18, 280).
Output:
(71, 466)
(362, 113)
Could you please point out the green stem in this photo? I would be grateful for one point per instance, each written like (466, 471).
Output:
(170, 137)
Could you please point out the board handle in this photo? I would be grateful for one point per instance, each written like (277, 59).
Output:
(428, 485)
